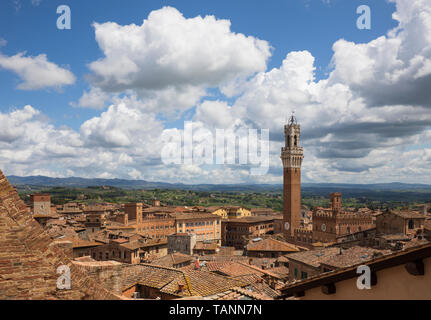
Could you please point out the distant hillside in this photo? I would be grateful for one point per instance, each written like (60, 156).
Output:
(73, 182)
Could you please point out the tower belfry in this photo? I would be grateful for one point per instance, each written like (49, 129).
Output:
(291, 156)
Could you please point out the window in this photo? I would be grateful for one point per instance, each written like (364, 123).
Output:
(304, 275)
(107, 255)
(411, 224)
(296, 273)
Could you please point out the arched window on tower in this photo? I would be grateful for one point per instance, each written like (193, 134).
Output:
(296, 141)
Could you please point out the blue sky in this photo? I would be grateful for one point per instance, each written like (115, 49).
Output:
(308, 27)
(311, 25)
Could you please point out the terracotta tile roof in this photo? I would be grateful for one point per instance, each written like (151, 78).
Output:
(353, 256)
(206, 246)
(207, 283)
(408, 214)
(253, 219)
(172, 259)
(400, 257)
(232, 269)
(313, 257)
(121, 240)
(167, 280)
(84, 259)
(213, 208)
(29, 261)
(271, 244)
(282, 259)
(258, 285)
(195, 215)
(332, 257)
(264, 271)
(281, 271)
(238, 294)
(79, 243)
(394, 237)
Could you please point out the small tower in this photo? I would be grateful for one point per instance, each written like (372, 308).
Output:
(335, 200)
(291, 156)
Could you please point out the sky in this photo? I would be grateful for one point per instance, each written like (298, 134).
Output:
(108, 97)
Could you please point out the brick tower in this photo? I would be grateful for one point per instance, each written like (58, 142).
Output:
(291, 156)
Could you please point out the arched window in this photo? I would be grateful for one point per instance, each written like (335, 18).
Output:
(296, 141)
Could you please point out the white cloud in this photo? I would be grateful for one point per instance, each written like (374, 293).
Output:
(170, 61)
(393, 69)
(36, 72)
(95, 98)
(368, 122)
(171, 50)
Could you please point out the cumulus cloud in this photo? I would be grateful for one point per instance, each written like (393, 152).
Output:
(369, 121)
(171, 50)
(120, 126)
(394, 69)
(95, 98)
(361, 116)
(36, 72)
(169, 61)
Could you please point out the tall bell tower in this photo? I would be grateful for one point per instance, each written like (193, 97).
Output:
(291, 156)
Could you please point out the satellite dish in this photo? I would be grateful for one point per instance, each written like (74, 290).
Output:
(287, 226)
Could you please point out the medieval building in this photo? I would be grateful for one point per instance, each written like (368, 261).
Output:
(328, 224)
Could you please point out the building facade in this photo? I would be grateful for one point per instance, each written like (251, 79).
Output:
(329, 224)
(237, 232)
(205, 226)
(181, 242)
(40, 204)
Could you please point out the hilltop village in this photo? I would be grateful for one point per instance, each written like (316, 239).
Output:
(154, 251)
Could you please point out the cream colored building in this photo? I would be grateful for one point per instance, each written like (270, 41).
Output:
(404, 275)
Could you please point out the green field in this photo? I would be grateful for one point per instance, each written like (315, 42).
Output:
(270, 199)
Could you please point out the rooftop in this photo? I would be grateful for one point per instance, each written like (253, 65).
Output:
(271, 244)
(29, 258)
(401, 257)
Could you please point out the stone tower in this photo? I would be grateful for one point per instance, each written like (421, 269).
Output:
(335, 201)
(291, 156)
